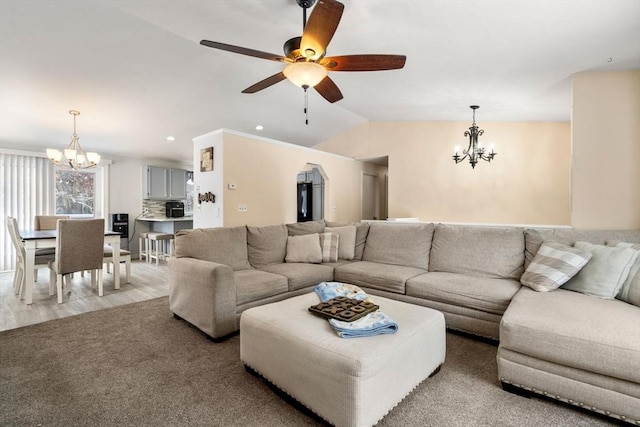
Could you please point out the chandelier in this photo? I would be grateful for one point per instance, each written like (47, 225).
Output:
(475, 151)
(73, 156)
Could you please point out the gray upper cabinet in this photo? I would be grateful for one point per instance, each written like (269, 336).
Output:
(163, 184)
(177, 183)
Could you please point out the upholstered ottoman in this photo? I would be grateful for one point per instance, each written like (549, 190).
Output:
(347, 382)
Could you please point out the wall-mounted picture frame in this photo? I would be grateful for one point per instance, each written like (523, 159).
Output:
(206, 159)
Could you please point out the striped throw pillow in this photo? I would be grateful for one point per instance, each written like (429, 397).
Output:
(329, 246)
(553, 265)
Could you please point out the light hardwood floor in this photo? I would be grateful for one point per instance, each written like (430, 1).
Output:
(147, 281)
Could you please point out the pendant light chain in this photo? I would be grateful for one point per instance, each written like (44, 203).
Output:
(306, 104)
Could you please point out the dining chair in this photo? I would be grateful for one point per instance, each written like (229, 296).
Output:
(79, 247)
(41, 260)
(47, 222)
(125, 256)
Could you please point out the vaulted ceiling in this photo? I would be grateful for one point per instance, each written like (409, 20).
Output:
(137, 73)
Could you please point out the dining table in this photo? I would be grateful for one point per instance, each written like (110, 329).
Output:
(39, 239)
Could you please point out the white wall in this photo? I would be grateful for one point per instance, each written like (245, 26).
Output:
(207, 214)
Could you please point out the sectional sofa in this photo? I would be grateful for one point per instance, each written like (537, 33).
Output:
(581, 349)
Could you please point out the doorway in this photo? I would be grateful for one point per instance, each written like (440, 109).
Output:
(375, 189)
(370, 199)
(310, 195)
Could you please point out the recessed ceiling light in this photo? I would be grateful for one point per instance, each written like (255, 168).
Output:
(259, 127)
(171, 138)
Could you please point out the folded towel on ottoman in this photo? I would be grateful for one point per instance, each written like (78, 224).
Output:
(375, 323)
(330, 290)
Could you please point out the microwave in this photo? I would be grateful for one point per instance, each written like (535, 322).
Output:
(174, 209)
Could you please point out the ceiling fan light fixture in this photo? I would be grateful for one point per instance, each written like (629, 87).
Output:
(305, 73)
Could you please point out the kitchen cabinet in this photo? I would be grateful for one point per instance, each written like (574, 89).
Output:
(177, 183)
(163, 183)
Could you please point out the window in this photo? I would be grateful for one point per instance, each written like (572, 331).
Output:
(78, 193)
(31, 186)
(188, 203)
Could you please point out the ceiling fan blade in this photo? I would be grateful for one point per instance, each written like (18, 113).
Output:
(263, 84)
(320, 28)
(243, 50)
(364, 62)
(329, 90)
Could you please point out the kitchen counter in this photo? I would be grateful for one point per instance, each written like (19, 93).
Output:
(165, 224)
(166, 219)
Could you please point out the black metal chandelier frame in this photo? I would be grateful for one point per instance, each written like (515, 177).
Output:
(475, 151)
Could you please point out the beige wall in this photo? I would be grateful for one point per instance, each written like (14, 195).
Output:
(606, 150)
(527, 183)
(265, 174)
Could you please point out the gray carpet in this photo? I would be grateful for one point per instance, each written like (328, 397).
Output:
(136, 365)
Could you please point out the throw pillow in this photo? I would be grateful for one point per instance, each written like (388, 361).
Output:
(329, 246)
(305, 248)
(605, 273)
(630, 290)
(553, 265)
(347, 246)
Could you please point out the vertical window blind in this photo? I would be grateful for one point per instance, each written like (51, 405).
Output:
(27, 183)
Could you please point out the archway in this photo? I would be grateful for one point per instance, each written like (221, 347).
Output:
(310, 193)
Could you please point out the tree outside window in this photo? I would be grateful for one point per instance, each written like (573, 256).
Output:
(75, 193)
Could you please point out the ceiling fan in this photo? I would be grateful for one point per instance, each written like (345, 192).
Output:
(307, 66)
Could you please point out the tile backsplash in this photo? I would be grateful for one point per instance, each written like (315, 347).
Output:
(154, 209)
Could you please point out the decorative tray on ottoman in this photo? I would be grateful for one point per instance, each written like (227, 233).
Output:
(344, 309)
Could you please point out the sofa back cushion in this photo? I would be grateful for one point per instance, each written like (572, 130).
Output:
(493, 252)
(399, 244)
(266, 245)
(224, 245)
(308, 227)
(535, 237)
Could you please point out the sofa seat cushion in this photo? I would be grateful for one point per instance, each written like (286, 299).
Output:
(493, 252)
(300, 275)
(575, 330)
(339, 262)
(386, 277)
(253, 285)
(478, 293)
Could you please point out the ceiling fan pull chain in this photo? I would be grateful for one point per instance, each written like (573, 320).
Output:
(306, 104)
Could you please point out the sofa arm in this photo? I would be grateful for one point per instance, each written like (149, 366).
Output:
(204, 294)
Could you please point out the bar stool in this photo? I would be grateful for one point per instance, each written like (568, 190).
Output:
(159, 246)
(143, 245)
